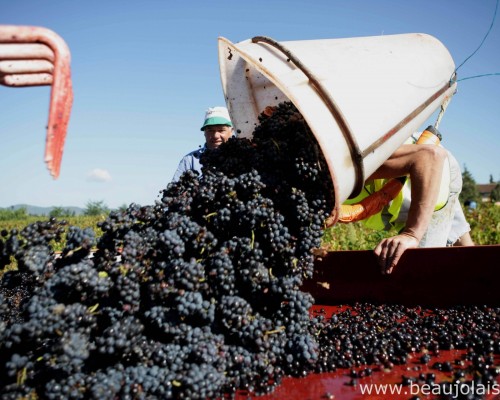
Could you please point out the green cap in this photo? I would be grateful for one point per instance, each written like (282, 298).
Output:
(217, 116)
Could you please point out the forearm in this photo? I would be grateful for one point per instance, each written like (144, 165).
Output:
(424, 166)
(425, 177)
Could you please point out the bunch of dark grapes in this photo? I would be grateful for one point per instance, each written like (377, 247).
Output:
(199, 295)
(196, 296)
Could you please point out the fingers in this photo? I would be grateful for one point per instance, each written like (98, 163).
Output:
(388, 255)
(332, 219)
(389, 251)
(329, 222)
(393, 258)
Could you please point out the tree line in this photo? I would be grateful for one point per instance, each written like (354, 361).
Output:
(92, 209)
(470, 192)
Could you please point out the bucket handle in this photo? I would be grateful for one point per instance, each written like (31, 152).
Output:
(356, 154)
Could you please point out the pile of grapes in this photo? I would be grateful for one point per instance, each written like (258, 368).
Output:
(195, 296)
(198, 295)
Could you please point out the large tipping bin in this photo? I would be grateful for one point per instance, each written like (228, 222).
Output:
(362, 97)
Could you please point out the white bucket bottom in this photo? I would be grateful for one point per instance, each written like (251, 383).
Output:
(361, 97)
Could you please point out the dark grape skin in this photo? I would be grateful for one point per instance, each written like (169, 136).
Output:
(198, 295)
(223, 235)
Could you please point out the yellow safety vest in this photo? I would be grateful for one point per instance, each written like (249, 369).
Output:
(388, 217)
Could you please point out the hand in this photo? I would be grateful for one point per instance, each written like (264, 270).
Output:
(390, 250)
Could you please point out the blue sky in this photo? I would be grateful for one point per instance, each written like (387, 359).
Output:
(145, 71)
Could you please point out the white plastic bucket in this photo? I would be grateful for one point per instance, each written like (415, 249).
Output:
(362, 97)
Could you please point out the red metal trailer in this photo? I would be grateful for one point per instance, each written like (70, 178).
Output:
(433, 277)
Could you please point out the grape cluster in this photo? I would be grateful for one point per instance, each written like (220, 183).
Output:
(195, 296)
(199, 295)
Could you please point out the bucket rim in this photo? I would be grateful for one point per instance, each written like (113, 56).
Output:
(335, 212)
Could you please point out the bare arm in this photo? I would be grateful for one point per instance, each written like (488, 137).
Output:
(424, 165)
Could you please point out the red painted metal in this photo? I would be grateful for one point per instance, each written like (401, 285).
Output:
(436, 277)
(25, 67)
(39, 79)
(33, 43)
(22, 51)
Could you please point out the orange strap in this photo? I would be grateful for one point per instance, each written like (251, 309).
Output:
(372, 204)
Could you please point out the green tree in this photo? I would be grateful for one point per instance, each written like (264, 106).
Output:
(491, 179)
(495, 193)
(123, 208)
(469, 188)
(94, 208)
(59, 212)
(11, 214)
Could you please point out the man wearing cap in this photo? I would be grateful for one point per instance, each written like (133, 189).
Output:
(218, 128)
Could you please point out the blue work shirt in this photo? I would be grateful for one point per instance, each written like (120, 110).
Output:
(190, 161)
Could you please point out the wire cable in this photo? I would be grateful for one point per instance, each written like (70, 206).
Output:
(454, 75)
(485, 36)
(478, 76)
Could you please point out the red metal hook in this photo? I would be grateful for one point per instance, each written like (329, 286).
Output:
(47, 48)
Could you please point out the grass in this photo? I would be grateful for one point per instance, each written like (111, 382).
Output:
(484, 221)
